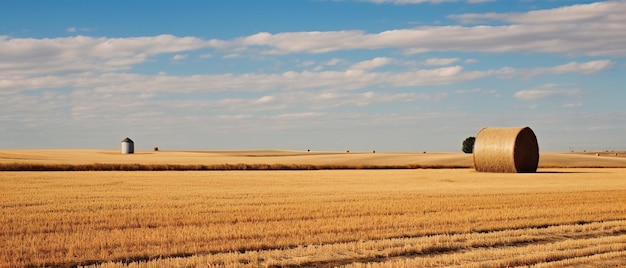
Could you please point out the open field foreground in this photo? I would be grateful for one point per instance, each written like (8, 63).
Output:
(71, 160)
(321, 218)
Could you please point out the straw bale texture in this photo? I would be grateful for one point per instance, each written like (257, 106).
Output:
(506, 150)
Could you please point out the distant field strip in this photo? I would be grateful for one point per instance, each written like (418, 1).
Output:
(320, 218)
(198, 167)
(99, 160)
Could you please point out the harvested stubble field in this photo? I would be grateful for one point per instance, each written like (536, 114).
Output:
(321, 218)
(101, 160)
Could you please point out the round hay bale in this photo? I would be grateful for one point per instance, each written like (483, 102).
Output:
(506, 150)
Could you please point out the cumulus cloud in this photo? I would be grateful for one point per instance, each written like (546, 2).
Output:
(476, 90)
(265, 99)
(570, 67)
(180, 57)
(585, 67)
(539, 38)
(235, 117)
(440, 61)
(534, 31)
(595, 29)
(372, 64)
(593, 12)
(330, 99)
(74, 29)
(30, 56)
(546, 91)
(333, 62)
(572, 105)
(349, 79)
(297, 116)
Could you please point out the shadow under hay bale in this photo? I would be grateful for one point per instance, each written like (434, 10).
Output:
(506, 150)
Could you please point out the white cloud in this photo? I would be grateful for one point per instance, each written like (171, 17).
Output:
(558, 39)
(296, 42)
(528, 34)
(297, 116)
(585, 68)
(592, 12)
(75, 30)
(595, 29)
(349, 79)
(546, 91)
(325, 100)
(572, 105)
(476, 90)
(265, 99)
(440, 61)
(570, 67)
(179, 57)
(372, 64)
(236, 117)
(29, 56)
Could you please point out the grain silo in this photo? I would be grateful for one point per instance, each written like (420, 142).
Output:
(128, 146)
(506, 150)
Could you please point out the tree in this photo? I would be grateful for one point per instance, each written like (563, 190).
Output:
(468, 145)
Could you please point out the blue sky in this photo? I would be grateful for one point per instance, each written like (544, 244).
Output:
(385, 75)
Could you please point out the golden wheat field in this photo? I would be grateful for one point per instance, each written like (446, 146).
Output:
(558, 217)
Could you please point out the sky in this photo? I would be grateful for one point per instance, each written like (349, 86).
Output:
(324, 75)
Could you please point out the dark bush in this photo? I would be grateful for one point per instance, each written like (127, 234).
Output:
(468, 145)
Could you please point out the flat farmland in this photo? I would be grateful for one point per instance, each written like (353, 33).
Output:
(558, 217)
(25, 159)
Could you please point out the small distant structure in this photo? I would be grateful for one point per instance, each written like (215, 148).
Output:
(156, 149)
(128, 146)
(506, 150)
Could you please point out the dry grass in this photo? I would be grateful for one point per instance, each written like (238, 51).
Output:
(364, 218)
(69, 160)
(268, 157)
(221, 167)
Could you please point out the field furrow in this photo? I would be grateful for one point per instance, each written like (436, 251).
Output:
(492, 249)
